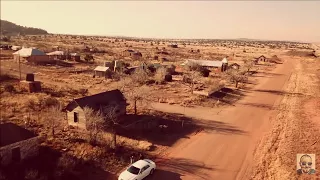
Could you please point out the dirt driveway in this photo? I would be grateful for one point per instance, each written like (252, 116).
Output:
(225, 150)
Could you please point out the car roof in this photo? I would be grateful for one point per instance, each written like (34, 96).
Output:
(140, 164)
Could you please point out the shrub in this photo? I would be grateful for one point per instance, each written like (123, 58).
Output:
(160, 75)
(9, 88)
(140, 76)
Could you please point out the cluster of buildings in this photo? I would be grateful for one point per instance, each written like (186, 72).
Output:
(37, 56)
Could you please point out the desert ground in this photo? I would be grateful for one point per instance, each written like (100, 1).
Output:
(252, 131)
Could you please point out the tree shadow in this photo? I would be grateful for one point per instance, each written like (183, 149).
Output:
(166, 128)
(258, 105)
(228, 96)
(270, 74)
(276, 92)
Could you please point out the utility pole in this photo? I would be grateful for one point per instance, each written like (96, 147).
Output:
(19, 68)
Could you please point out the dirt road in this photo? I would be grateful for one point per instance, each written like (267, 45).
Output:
(225, 152)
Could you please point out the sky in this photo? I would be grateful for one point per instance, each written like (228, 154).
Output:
(266, 20)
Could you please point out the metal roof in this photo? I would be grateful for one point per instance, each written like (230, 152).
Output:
(56, 53)
(101, 68)
(206, 63)
(27, 52)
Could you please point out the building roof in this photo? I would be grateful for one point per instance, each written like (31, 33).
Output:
(56, 53)
(27, 52)
(206, 63)
(74, 54)
(97, 100)
(262, 56)
(11, 133)
(224, 60)
(101, 68)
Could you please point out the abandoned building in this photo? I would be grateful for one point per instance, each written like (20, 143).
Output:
(128, 52)
(5, 47)
(211, 65)
(101, 71)
(30, 84)
(75, 109)
(173, 45)
(75, 56)
(262, 58)
(17, 144)
(31, 55)
(234, 66)
(57, 55)
(136, 55)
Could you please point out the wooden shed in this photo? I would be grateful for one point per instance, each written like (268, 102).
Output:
(101, 71)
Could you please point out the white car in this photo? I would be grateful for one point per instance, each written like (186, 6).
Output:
(138, 170)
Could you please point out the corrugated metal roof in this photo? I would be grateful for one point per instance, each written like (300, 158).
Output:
(56, 53)
(206, 63)
(26, 52)
(74, 54)
(101, 68)
(97, 100)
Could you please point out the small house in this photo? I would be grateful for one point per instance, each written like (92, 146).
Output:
(101, 71)
(136, 55)
(75, 109)
(173, 45)
(234, 66)
(75, 56)
(262, 58)
(31, 55)
(128, 52)
(57, 55)
(207, 64)
(17, 144)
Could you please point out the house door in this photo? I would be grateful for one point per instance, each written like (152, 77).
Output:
(75, 117)
(16, 156)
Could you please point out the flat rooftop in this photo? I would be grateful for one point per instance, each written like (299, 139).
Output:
(11, 133)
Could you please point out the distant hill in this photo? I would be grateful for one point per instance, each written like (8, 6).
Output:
(9, 28)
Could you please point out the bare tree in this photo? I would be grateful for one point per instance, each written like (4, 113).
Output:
(35, 104)
(111, 121)
(95, 124)
(214, 85)
(124, 83)
(248, 65)
(54, 119)
(140, 76)
(236, 76)
(191, 78)
(138, 94)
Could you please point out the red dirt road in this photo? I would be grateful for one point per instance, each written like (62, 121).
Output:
(224, 149)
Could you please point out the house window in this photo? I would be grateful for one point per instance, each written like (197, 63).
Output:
(75, 117)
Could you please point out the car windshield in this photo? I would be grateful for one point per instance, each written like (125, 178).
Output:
(133, 170)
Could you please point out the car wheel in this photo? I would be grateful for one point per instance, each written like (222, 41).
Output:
(151, 172)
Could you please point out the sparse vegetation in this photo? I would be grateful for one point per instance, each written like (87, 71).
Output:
(61, 84)
(237, 76)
